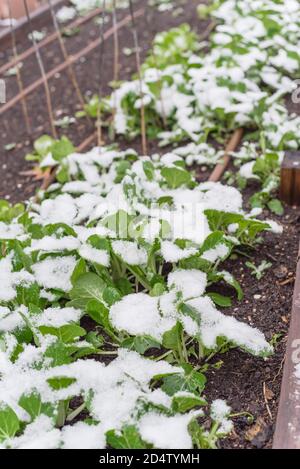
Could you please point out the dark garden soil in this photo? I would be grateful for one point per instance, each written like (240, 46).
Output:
(247, 383)
(63, 96)
(250, 384)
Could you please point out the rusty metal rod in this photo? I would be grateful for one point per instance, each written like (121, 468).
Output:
(87, 142)
(101, 57)
(138, 66)
(116, 66)
(232, 145)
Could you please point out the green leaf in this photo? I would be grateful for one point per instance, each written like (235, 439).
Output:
(18, 349)
(23, 336)
(219, 220)
(91, 108)
(8, 211)
(172, 339)
(28, 295)
(4, 210)
(176, 177)
(99, 242)
(121, 170)
(62, 148)
(266, 165)
(60, 382)
(10, 146)
(140, 344)
(9, 423)
(20, 257)
(86, 288)
(185, 403)
(128, 438)
(149, 170)
(276, 207)
(60, 230)
(43, 145)
(220, 300)
(59, 353)
(212, 241)
(62, 175)
(124, 286)
(192, 381)
(95, 339)
(34, 310)
(111, 295)
(165, 200)
(99, 313)
(36, 231)
(196, 262)
(34, 406)
(257, 200)
(200, 436)
(32, 157)
(187, 310)
(80, 269)
(229, 279)
(158, 289)
(67, 334)
(119, 222)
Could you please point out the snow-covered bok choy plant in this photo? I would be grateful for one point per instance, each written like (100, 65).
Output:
(253, 59)
(115, 260)
(261, 167)
(121, 257)
(189, 93)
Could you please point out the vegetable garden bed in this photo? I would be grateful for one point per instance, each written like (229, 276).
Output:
(143, 306)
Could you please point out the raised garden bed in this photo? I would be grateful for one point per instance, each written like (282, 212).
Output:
(250, 385)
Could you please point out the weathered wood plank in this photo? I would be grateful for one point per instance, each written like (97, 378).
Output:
(287, 432)
(290, 178)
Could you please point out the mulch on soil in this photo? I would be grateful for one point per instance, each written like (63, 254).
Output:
(247, 383)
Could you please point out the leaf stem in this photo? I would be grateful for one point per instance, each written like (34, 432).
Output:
(75, 412)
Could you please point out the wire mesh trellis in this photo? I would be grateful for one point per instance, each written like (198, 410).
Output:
(116, 60)
(17, 68)
(66, 55)
(100, 88)
(78, 22)
(44, 78)
(88, 49)
(42, 70)
(138, 66)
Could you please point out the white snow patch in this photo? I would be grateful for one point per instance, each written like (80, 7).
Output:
(130, 252)
(191, 283)
(55, 272)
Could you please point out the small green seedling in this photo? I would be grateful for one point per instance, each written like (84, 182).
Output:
(259, 271)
